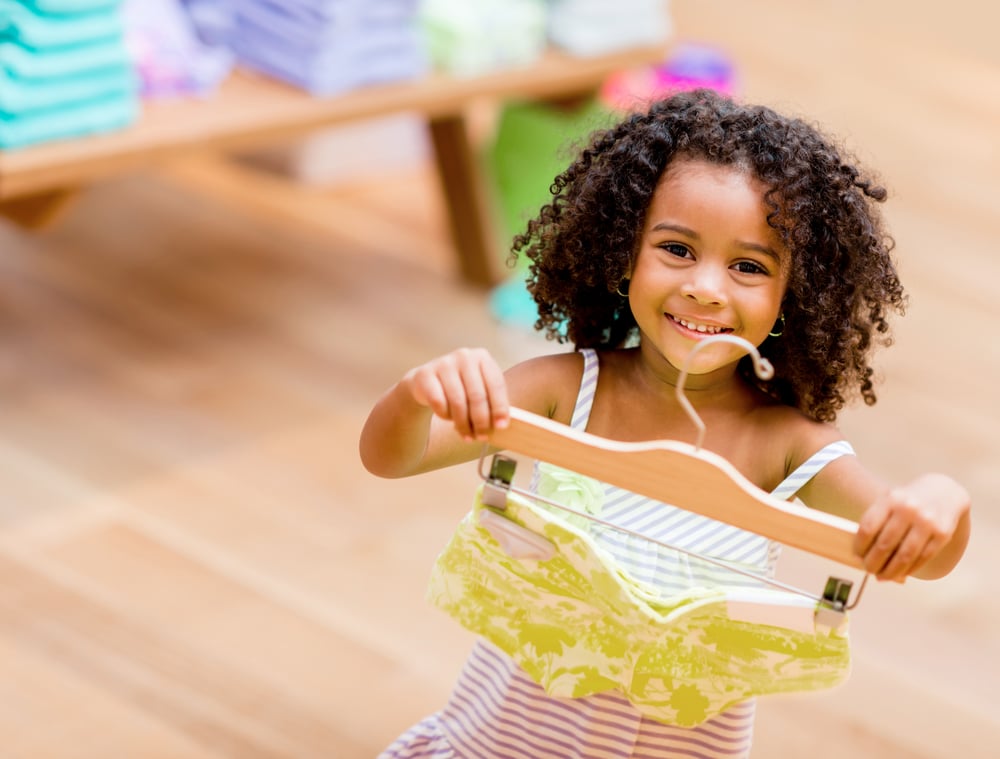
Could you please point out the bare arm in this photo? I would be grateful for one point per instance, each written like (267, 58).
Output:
(439, 413)
(433, 415)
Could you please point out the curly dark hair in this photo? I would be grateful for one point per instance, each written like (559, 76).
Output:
(843, 281)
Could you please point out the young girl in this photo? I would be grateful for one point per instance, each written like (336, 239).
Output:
(702, 216)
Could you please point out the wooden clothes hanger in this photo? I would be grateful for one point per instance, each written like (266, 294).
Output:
(683, 475)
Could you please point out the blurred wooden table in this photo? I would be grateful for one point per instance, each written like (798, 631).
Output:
(250, 109)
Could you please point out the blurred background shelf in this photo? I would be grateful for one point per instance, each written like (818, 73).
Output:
(251, 109)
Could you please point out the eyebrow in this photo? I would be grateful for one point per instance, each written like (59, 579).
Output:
(664, 226)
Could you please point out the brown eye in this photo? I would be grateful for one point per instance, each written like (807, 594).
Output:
(749, 267)
(676, 249)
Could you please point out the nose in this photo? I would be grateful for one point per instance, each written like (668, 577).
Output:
(706, 285)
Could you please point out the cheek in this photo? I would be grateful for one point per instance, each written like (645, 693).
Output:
(780, 292)
(643, 281)
(767, 308)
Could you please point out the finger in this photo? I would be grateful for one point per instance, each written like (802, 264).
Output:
(870, 525)
(888, 539)
(457, 401)
(477, 401)
(907, 553)
(426, 389)
(496, 389)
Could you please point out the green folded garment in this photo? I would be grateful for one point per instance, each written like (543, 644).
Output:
(84, 118)
(33, 29)
(538, 587)
(466, 39)
(535, 142)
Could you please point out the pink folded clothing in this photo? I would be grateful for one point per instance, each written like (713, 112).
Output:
(169, 56)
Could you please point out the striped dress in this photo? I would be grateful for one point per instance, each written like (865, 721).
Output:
(497, 712)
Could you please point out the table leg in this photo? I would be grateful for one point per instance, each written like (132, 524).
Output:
(470, 216)
(35, 211)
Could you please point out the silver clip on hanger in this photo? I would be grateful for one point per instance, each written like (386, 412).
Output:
(832, 603)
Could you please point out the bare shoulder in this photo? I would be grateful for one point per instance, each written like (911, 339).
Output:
(843, 486)
(547, 385)
(792, 436)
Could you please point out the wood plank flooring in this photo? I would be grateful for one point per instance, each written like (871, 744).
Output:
(193, 563)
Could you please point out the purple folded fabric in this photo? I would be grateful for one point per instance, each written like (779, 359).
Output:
(333, 46)
(279, 20)
(314, 45)
(212, 20)
(313, 12)
(336, 69)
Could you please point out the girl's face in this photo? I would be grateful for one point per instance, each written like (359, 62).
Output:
(707, 263)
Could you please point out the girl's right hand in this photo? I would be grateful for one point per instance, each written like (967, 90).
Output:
(465, 387)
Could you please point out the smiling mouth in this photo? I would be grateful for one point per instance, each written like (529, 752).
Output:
(702, 329)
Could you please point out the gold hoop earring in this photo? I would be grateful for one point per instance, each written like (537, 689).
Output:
(781, 329)
(618, 288)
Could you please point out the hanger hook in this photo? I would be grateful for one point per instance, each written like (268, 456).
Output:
(761, 366)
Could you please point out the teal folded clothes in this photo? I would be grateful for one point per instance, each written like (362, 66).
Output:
(19, 97)
(25, 63)
(34, 29)
(58, 7)
(72, 121)
(64, 70)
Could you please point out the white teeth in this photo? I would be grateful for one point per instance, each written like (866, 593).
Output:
(700, 327)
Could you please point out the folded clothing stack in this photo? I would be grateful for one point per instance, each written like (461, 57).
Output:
(472, 38)
(598, 27)
(64, 70)
(169, 56)
(330, 46)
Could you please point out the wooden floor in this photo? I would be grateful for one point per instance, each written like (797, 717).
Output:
(194, 565)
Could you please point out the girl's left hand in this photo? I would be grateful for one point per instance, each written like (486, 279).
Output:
(909, 526)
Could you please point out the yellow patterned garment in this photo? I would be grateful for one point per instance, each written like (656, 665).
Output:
(578, 625)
